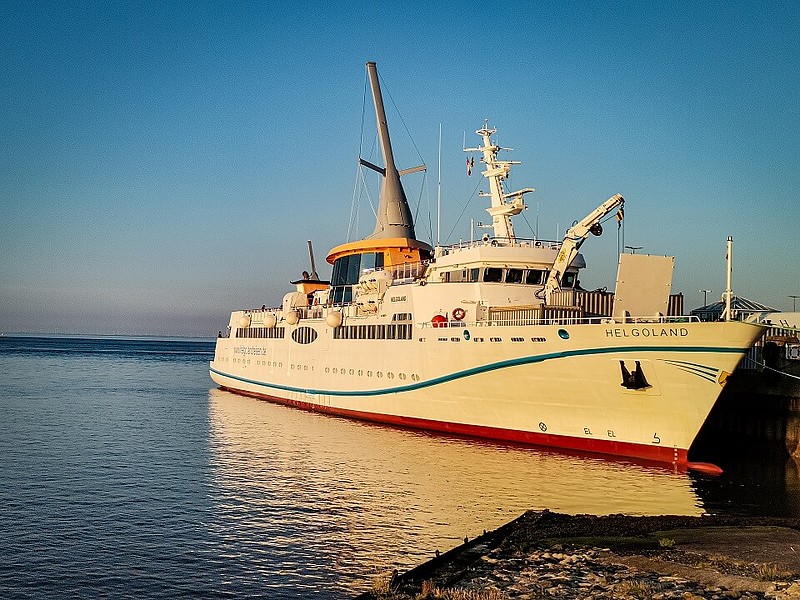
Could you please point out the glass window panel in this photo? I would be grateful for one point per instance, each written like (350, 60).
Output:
(514, 276)
(493, 275)
(353, 269)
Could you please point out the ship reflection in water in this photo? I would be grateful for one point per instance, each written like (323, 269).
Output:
(312, 496)
(309, 495)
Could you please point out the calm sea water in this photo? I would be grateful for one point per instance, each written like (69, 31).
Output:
(124, 473)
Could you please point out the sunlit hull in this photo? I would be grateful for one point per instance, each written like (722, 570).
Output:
(476, 381)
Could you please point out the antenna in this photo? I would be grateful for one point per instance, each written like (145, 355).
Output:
(439, 188)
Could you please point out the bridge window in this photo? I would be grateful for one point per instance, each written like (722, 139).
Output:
(514, 276)
(535, 277)
(347, 270)
(493, 275)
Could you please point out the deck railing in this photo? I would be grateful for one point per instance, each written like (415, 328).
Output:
(522, 317)
(499, 241)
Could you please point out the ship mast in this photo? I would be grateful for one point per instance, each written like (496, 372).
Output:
(394, 218)
(504, 205)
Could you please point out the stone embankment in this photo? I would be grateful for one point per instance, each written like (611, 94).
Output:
(550, 555)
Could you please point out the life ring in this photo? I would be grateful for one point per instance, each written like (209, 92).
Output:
(459, 313)
(439, 321)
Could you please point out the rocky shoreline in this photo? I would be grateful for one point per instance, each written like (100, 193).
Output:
(543, 554)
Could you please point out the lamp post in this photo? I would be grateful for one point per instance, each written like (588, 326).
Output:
(705, 296)
(633, 249)
(794, 302)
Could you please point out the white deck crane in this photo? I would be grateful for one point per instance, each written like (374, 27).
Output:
(573, 239)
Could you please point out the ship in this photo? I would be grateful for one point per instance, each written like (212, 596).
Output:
(488, 338)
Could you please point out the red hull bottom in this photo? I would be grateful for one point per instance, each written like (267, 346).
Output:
(676, 457)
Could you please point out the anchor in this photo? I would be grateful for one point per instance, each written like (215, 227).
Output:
(633, 380)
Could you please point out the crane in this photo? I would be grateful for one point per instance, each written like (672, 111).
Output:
(573, 240)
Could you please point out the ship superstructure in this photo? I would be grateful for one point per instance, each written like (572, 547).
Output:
(491, 338)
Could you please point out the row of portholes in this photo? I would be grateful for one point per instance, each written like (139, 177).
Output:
(378, 374)
(491, 339)
(270, 363)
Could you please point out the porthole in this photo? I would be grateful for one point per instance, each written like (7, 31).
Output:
(402, 376)
(563, 334)
(360, 372)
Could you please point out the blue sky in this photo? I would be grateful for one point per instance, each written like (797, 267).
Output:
(165, 162)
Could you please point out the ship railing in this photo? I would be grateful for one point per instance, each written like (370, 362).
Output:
(256, 312)
(520, 319)
(407, 272)
(499, 241)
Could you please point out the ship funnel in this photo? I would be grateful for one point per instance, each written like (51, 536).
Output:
(394, 218)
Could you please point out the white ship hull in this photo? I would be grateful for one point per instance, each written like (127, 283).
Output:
(518, 383)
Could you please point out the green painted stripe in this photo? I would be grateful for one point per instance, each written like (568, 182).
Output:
(698, 373)
(515, 362)
(707, 373)
(693, 366)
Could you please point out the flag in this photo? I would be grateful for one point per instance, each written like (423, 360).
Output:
(620, 216)
(470, 164)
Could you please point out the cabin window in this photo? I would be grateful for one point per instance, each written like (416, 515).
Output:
(493, 275)
(348, 269)
(353, 270)
(514, 276)
(371, 261)
(339, 273)
(535, 277)
(568, 281)
(304, 335)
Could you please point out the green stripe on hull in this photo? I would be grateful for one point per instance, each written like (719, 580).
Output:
(485, 368)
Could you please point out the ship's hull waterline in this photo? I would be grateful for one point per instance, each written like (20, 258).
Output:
(549, 385)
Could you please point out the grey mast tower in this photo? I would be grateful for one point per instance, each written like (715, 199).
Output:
(394, 218)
